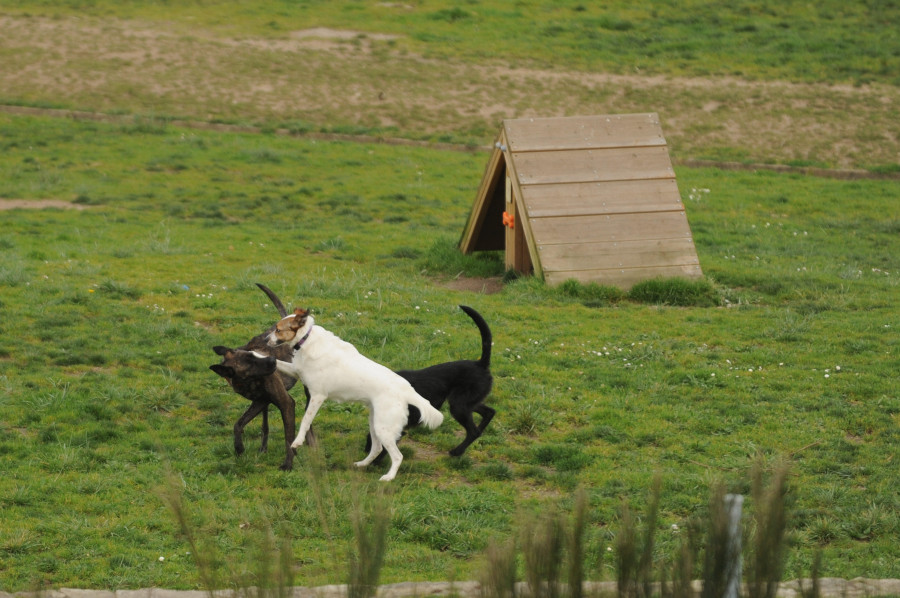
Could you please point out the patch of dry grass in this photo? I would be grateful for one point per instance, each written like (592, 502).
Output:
(367, 85)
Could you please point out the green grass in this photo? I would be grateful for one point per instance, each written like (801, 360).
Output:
(110, 313)
(828, 41)
(802, 85)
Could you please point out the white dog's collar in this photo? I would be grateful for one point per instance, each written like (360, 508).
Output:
(296, 346)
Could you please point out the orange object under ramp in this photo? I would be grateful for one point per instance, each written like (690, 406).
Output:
(590, 198)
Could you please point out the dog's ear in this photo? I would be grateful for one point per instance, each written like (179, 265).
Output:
(299, 320)
(220, 350)
(223, 370)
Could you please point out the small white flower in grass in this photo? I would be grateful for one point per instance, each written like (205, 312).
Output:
(674, 527)
(417, 307)
(837, 368)
(162, 559)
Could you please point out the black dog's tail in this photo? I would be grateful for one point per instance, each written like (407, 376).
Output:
(275, 300)
(486, 338)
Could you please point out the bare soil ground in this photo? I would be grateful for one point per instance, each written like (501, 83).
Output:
(38, 204)
(331, 79)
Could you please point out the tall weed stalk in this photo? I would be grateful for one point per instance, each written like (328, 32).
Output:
(370, 531)
(770, 525)
(543, 546)
(203, 553)
(498, 579)
(634, 563)
(715, 556)
(576, 545)
(269, 573)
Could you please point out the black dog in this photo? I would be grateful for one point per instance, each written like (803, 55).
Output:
(257, 380)
(463, 384)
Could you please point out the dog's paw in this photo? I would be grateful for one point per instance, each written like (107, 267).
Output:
(360, 463)
(386, 478)
(296, 445)
(286, 466)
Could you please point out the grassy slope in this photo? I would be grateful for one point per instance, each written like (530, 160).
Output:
(110, 313)
(826, 42)
(764, 82)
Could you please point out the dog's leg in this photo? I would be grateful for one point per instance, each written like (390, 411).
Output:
(252, 411)
(464, 416)
(285, 367)
(315, 403)
(486, 413)
(265, 430)
(396, 459)
(385, 429)
(373, 444)
(286, 406)
(310, 434)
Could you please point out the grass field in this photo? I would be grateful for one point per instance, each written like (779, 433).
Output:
(110, 313)
(747, 81)
(110, 304)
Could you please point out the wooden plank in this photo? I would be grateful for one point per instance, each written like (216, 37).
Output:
(617, 255)
(593, 165)
(623, 278)
(510, 232)
(517, 251)
(610, 227)
(612, 197)
(584, 132)
(523, 223)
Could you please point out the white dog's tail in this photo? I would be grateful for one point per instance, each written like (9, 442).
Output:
(431, 418)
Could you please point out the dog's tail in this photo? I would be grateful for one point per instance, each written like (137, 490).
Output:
(429, 417)
(275, 300)
(486, 338)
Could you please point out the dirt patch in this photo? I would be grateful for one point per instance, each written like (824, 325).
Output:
(346, 34)
(485, 286)
(39, 204)
(200, 75)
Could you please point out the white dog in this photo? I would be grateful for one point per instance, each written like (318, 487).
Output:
(331, 368)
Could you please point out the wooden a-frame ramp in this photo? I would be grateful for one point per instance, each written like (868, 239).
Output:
(589, 198)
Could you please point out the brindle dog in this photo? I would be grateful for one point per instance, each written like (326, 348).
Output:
(258, 381)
